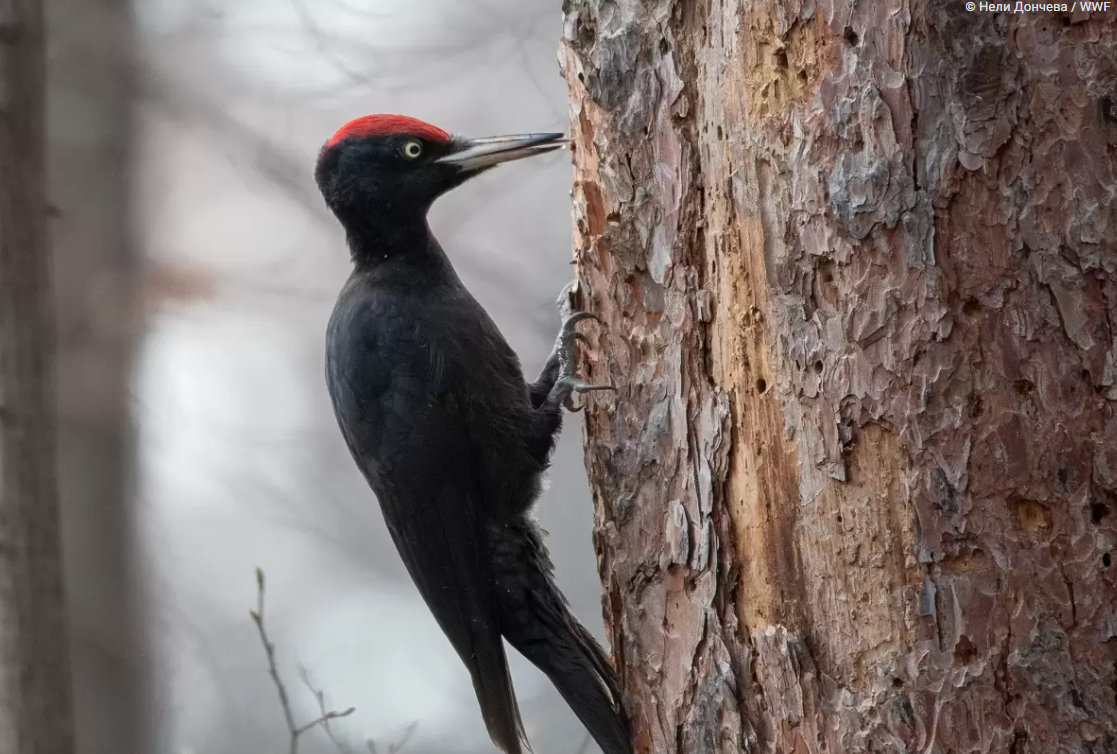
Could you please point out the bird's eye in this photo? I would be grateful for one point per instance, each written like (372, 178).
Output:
(412, 149)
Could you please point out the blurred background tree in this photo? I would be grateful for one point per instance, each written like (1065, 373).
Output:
(91, 138)
(35, 694)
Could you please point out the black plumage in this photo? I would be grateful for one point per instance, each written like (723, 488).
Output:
(453, 441)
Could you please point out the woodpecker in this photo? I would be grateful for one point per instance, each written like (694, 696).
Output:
(451, 438)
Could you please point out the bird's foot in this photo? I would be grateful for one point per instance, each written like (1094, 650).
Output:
(569, 383)
(567, 387)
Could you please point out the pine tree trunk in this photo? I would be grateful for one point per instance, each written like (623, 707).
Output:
(35, 706)
(858, 489)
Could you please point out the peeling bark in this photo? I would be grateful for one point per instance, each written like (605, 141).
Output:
(858, 489)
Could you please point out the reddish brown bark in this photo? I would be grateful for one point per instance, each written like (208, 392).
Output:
(858, 489)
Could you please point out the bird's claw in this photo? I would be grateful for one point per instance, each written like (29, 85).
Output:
(568, 383)
(576, 386)
(564, 343)
(570, 322)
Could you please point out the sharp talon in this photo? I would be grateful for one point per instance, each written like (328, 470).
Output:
(577, 386)
(571, 406)
(577, 317)
(581, 338)
(569, 386)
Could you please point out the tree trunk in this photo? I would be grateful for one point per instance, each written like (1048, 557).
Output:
(858, 489)
(91, 135)
(35, 708)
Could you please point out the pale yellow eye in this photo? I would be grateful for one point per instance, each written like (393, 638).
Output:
(412, 149)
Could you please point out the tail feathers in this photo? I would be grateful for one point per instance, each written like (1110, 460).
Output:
(566, 654)
(535, 620)
(493, 685)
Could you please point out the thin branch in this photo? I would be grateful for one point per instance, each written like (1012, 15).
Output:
(269, 650)
(326, 46)
(326, 716)
(293, 730)
(395, 747)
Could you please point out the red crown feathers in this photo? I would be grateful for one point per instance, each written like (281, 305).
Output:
(384, 124)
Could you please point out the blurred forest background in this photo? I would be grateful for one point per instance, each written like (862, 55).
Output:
(196, 266)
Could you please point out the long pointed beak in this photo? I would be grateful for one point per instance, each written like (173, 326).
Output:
(477, 154)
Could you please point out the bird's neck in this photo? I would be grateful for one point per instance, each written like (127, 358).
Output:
(401, 246)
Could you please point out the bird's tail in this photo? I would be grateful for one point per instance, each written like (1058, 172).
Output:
(536, 621)
(501, 713)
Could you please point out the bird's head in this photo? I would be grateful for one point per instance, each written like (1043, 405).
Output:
(389, 164)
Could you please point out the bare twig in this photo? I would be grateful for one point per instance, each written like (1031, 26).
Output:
(326, 716)
(284, 700)
(395, 746)
(326, 46)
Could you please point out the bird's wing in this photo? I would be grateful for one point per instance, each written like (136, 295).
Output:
(410, 437)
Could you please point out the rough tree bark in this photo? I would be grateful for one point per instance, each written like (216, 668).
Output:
(35, 707)
(858, 489)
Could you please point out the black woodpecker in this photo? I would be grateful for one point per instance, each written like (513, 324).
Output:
(452, 439)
